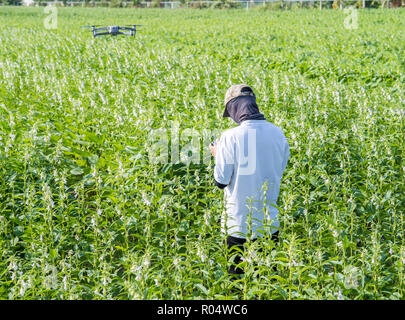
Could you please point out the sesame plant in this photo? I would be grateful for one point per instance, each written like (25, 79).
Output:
(87, 213)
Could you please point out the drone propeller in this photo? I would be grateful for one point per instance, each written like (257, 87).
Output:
(134, 25)
(97, 25)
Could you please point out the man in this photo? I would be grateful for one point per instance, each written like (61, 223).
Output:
(249, 162)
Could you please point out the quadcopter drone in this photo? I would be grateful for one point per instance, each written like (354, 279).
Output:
(129, 30)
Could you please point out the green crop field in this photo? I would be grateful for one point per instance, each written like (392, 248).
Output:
(87, 213)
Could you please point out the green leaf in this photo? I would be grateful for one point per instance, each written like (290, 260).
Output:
(202, 288)
(53, 253)
(77, 171)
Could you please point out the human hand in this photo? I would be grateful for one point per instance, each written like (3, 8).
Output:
(213, 148)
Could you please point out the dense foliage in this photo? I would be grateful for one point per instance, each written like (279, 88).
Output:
(225, 4)
(84, 213)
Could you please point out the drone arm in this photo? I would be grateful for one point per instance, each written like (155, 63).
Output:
(101, 34)
(126, 28)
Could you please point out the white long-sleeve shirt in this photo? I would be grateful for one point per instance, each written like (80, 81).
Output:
(250, 161)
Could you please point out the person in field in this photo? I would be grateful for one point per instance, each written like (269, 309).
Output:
(249, 162)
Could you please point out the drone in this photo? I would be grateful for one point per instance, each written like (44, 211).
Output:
(129, 30)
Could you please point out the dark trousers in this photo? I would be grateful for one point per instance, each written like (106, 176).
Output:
(233, 243)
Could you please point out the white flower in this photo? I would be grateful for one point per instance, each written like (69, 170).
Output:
(207, 219)
(146, 200)
(22, 289)
(200, 254)
(146, 262)
(64, 283)
(136, 269)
